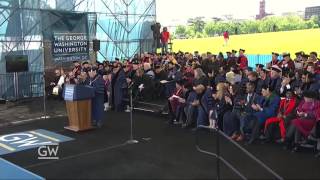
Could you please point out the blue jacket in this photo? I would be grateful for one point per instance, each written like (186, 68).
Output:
(270, 106)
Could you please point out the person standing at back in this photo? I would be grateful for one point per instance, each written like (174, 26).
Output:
(165, 36)
(226, 38)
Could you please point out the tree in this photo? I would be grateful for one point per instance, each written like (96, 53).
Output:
(197, 23)
(198, 28)
(181, 31)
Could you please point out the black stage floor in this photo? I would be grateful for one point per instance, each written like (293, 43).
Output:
(164, 152)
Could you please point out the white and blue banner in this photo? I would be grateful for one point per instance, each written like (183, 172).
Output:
(10, 143)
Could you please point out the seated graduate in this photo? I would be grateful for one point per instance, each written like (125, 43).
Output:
(288, 82)
(275, 78)
(148, 71)
(316, 133)
(143, 85)
(204, 104)
(160, 75)
(306, 118)
(275, 127)
(199, 84)
(233, 122)
(222, 103)
(97, 82)
(263, 110)
(174, 75)
(176, 103)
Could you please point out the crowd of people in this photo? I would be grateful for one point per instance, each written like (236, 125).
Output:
(277, 102)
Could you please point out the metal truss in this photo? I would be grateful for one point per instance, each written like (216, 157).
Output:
(117, 23)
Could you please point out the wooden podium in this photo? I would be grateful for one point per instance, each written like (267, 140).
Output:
(79, 114)
(78, 104)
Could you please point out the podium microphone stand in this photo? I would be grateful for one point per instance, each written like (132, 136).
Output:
(131, 140)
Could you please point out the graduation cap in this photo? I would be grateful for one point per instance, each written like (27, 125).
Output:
(85, 63)
(305, 56)
(94, 69)
(242, 50)
(310, 94)
(181, 82)
(286, 55)
(260, 66)
(157, 66)
(314, 53)
(234, 51)
(274, 53)
(135, 61)
(299, 53)
(276, 68)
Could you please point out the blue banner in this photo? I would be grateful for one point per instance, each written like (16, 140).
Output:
(68, 34)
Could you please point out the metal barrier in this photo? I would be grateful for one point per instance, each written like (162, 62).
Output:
(220, 158)
(15, 86)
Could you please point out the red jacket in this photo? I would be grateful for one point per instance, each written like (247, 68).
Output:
(165, 35)
(226, 35)
(174, 102)
(287, 107)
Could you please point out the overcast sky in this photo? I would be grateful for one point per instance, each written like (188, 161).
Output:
(169, 10)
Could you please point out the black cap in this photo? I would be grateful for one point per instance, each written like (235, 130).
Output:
(181, 82)
(260, 66)
(135, 61)
(310, 94)
(274, 53)
(93, 69)
(242, 50)
(314, 53)
(85, 63)
(157, 66)
(299, 53)
(286, 54)
(305, 56)
(117, 59)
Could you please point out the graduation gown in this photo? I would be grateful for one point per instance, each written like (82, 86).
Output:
(305, 124)
(286, 108)
(275, 84)
(206, 103)
(118, 88)
(98, 101)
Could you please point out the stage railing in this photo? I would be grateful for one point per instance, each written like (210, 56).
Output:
(221, 158)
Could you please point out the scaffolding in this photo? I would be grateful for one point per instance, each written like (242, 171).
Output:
(122, 26)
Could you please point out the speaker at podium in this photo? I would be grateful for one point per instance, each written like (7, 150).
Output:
(78, 104)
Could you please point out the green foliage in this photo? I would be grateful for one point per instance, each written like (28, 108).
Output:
(197, 27)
